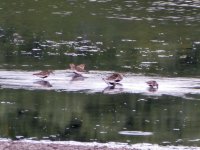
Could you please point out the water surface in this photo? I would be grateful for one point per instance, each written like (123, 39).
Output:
(144, 39)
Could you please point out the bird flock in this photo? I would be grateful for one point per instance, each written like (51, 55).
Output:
(112, 80)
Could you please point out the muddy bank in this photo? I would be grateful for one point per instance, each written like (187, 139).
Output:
(91, 82)
(32, 145)
(72, 145)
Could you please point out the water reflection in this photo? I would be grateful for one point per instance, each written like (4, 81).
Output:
(135, 133)
(152, 89)
(115, 89)
(100, 117)
(43, 83)
(77, 77)
(17, 39)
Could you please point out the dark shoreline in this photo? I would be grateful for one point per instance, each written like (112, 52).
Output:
(73, 145)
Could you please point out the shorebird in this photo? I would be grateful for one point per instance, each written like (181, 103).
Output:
(113, 79)
(77, 69)
(43, 74)
(152, 84)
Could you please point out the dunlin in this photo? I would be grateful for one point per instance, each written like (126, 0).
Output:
(152, 84)
(113, 79)
(77, 69)
(43, 74)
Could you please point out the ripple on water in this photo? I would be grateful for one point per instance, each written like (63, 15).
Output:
(62, 13)
(128, 40)
(78, 45)
(5, 102)
(174, 11)
(135, 133)
(194, 140)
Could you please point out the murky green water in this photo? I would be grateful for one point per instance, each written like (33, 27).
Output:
(98, 117)
(151, 38)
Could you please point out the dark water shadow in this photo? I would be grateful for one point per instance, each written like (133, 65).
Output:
(152, 89)
(43, 83)
(77, 77)
(115, 89)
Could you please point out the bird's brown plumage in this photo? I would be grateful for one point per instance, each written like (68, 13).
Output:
(77, 69)
(152, 84)
(113, 79)
(43, 74)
